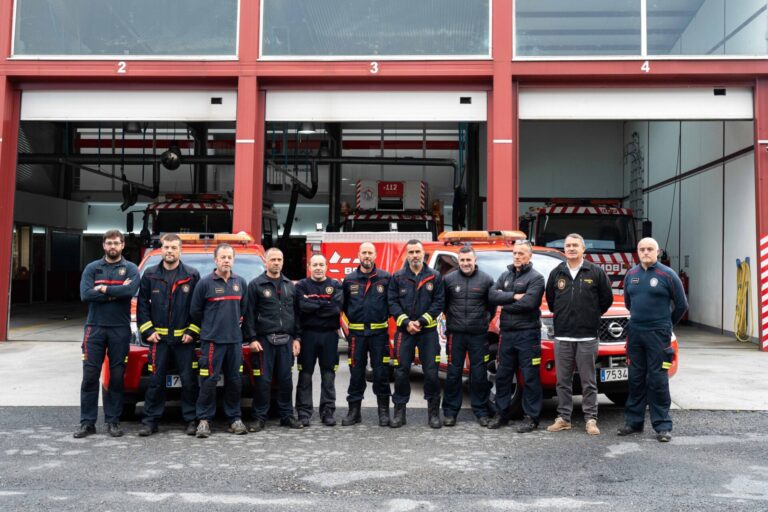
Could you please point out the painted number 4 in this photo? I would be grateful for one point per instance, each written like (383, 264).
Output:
(121, 67)
(374, 67)
(646, 67)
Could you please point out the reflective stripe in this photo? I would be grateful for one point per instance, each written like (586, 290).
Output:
(357, 327)
(161, 331)
(299, 367)
(401, 319)
(536, 361)
(126, 359)
(194, 328)
(395, 362)
(431, 324)
(385, 360)
(241, 368)
(145, 326)
(428, 318)
(203, 372)
(335, 368)
(437, 359)
(82, 357)
(149, 368)
(195, 364)
(666, 366)
(179, 332)
(349, 362)
(257, 373)
(361, 327)
(486, 358)
(382, 325)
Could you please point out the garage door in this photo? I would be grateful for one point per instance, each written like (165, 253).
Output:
(704, 103)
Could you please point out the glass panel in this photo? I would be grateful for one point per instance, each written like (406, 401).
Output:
(546, 28)
(707, 27)
(375, 27)
(129, 27)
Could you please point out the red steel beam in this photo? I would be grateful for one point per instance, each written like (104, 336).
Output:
(10, 101)
(249, 158)
(761, 203)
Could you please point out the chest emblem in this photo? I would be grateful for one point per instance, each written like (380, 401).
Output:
(121, 271)
(380, 288)
(430, 287)
(561, 284)
(218, 290)
(506, 284)
(458, 288)
(236, 287)
(654, 282)
(267, 293)
(635, 280)
(185, 288)
(329, 290)
(588, 281)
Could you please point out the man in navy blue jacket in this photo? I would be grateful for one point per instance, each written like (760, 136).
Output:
(107, 285)
(162, 314)
(656, 301)
(217, 307)
(319, 302)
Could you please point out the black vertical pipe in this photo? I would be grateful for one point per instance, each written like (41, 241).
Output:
(333, 131)
(200, 135)
(474, 206)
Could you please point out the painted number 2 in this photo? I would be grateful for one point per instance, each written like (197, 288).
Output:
(121, 67)
(646, 67)
(374, 67)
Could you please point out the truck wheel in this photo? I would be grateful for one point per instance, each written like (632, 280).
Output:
(618, 398)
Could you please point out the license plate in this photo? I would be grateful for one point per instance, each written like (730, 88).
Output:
(613, 374)
(174, 381)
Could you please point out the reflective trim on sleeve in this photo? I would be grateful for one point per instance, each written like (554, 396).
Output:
(486, 358)
(536, 361)
(241, 369)
(146, 325)
(402, 318)
(256, 373)
(357, 327)
(385, 359)
(666, 366)
(195, 329)
(382, 325)
(150, 368)
(179, 332)
(195, 364)
(162, 331)
(428, 318)
(204, 372)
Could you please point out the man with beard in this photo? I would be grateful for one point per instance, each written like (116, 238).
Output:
(365, 305)
(107, 285)
(162, 315)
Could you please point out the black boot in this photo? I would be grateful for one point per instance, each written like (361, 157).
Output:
(399, 419)
(384, 411)
(433, 408)
(353, 416)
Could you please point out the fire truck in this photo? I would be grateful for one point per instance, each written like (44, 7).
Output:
(609, 232)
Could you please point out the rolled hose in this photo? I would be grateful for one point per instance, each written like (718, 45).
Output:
(742, 322)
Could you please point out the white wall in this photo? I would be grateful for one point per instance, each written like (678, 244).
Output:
(56, 213)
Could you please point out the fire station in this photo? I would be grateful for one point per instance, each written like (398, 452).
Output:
(485, 110)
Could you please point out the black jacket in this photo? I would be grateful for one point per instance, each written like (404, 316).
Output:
(163, 307)
(271, 309)
(319, 304)
(467, 305)
(416, 297)
(577, 304)
(526, 312)
(365, 300)
(112, 308)
(217, 307)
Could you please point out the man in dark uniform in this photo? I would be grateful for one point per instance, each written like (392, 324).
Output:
(365, 305)
(416, 299)
(162, 315)
(319, 301)
(521, 289)
(467, 313)
(272, 328)
(217, 305)
(656, 301)
(107, 285)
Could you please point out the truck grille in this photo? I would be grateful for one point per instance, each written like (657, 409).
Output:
(613, 329)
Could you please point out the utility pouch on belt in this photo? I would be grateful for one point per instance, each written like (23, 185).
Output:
(278, 339)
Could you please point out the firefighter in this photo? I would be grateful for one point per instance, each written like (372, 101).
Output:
(578, 293)
(365, 305)
(107, 285)
(519, 290)
(467, 313)
(416, 298)
(162, 314)
(656, 301)
(272, 329)
(217, 305)
(319, 300)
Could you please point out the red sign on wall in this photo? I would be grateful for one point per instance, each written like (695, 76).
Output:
(391, 189)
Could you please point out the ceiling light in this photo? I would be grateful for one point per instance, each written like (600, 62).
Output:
(307, 128)
(133, 128)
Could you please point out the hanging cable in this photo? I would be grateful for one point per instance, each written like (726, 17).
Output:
(742, 321)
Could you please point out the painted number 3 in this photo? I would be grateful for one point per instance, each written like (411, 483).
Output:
(121, 67)
(374, 67)
(646, 67)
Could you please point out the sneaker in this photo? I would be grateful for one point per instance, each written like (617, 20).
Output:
(237, 427)
(559, 424)
(203, 429)
(628, 430)
(191, 428)
(147, 430)
(256, 426)
(664, 436)
(592, 428)
(483, 421)
(84, 430)
(329, 420)
(114, 430)
(528, 425)
(449, 421)
(497, 422)
(291, 422)
(304, 421)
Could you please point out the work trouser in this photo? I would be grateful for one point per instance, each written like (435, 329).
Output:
(273, 362)
(458, 345)
(317, 347)
(650, 356)
(429, 355)
(99, 341)
(360, 346)
(582, 355)
(160, 354)
(520, 349)
(220, 359)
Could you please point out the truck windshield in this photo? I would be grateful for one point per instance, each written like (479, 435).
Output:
(192, 221)
(247, 266)
(494, 263)
(602, 233)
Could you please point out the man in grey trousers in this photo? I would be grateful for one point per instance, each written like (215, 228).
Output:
(578, 293)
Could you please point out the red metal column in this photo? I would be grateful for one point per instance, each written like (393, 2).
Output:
(761, 203)
(249, 157)
(502, 126)
(248, 45)
(9, 133)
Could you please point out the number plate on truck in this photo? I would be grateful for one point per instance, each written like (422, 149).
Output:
(613, 374)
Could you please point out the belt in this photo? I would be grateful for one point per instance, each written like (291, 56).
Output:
(361, 327)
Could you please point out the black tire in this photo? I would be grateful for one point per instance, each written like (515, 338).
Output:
(618, 398)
